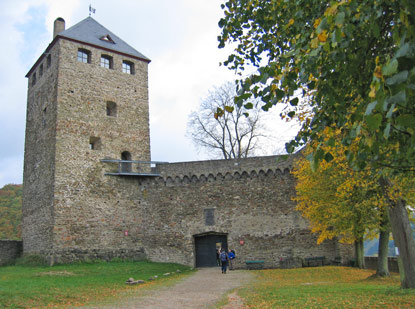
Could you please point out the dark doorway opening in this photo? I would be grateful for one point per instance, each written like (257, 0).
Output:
(126, 166)
(206, 246)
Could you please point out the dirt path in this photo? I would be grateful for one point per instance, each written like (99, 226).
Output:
(201, 290)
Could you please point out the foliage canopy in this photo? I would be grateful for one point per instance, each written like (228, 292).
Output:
(355, 59)
(11, 212)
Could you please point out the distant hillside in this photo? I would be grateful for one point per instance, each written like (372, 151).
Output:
(11, 212)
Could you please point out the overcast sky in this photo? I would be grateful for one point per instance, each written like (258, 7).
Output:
(179, 36)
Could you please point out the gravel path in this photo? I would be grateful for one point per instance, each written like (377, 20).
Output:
(201, 290)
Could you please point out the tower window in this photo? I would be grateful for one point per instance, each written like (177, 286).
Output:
(48, 61)
(106, 61)
(128, 67)
(84, 56)
(33, 79)
(41, 70)
(126, 166)
(44, 114)
(94, 143)
(111, 109)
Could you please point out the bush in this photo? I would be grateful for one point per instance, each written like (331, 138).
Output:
(31, 260)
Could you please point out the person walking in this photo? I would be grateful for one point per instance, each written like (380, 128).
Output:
(218, 256)
(224, 260)
(231, 256)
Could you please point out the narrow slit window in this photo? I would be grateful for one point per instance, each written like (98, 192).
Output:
(33, 79)
(44, 114)
(48, 61)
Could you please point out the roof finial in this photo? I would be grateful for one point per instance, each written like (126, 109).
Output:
(91, 10)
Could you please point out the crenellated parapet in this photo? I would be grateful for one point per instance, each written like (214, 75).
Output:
(183, 173)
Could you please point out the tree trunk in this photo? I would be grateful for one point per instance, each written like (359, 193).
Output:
(383, 269)
(402, 235)
(360, 256)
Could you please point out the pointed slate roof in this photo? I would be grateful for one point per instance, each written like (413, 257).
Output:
(91, 32)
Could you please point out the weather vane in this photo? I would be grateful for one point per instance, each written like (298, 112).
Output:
(91, 10)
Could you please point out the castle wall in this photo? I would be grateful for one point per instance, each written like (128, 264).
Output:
(249, 201)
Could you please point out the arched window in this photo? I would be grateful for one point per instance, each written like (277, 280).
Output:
(126, 166)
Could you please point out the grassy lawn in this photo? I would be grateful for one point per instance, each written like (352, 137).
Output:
(78, 284)
(325, 287)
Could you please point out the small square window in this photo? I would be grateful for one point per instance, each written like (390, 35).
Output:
(106, 62)
(128, 67)
(94, 143)
(111, 109)
(84, 56)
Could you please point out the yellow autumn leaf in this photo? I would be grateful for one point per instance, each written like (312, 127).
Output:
(317, 22)
(372, 93)
(322, 37)
(378, 72)
(314, 43)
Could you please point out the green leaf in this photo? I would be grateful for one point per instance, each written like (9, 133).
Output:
(294, 102)
(403, 51)
(279, 94)
(265, 77)
(291, 114)
(328, 157)
(370, 108)
(340, 18)
(397, 78)
(390, 68)
(249, 105)
(390, 112)
(229, 109)
(406, 120)
(400, 97)
(331, 142)
(373, 121)
(386, 132)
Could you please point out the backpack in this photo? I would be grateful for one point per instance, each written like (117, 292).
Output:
(223, 256)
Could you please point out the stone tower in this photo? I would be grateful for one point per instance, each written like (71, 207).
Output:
(87, 101)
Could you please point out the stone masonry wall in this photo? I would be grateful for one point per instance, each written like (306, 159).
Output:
(93, 212)
(39, 156)
(71, 210)
(250, 200)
